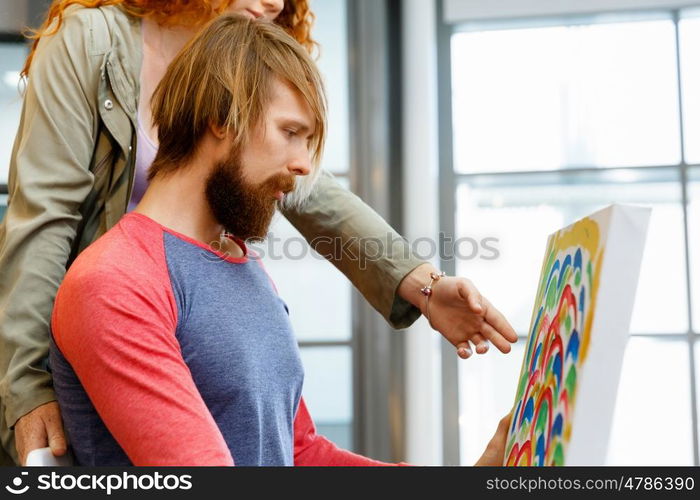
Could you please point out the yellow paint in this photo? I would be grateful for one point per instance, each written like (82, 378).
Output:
(584, 233)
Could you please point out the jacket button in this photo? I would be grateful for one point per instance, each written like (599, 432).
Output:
(108, 104)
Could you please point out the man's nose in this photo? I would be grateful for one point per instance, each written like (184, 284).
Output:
(300, 166)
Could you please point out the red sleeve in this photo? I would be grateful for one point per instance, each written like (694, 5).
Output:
(117, 330)
(310, 449)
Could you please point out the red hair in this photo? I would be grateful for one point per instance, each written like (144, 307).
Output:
(296, 17)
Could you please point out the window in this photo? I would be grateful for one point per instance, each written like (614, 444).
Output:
(14, 17)
(12, 55)
(551, 120)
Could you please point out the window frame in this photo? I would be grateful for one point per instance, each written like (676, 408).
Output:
(450, 181)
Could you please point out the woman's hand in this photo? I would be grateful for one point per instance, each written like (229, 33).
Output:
(40, 428)
(493, 455)
(459, 312)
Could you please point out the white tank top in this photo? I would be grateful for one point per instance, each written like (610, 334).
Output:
(145, 154)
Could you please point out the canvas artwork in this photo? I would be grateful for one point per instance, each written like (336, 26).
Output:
(580, 324)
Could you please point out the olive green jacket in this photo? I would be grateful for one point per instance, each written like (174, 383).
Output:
(71, 177)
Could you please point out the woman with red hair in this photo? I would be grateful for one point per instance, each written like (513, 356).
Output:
(80, 160)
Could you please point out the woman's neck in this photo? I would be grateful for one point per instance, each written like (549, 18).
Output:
(164, 42)
(160, 46)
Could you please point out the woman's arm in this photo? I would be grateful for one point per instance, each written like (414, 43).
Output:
(49, 180)
(352, 236)
(379, 262)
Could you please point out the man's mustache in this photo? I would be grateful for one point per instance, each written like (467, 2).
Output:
(282, 182)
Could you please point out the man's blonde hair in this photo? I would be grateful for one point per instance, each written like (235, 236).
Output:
(224, 77)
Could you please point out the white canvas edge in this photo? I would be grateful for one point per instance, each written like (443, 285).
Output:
(597, 388)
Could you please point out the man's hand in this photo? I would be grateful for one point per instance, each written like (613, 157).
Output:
(493, 455)
(40, 428)
(459, 312)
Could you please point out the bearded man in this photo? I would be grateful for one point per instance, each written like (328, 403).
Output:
(170, 345)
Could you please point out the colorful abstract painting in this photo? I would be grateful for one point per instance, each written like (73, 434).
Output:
(558, 345)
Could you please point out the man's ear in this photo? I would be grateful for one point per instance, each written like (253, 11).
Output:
(219, 131)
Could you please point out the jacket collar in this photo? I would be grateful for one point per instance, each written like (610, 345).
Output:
(124, 60)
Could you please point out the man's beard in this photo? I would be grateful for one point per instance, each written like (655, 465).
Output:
(245, 211)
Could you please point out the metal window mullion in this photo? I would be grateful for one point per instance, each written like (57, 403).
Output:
(311, 344)
(10, 37)
(690, 337)
(461, 177)
(661, 336)
(378, 353)
(447, 189)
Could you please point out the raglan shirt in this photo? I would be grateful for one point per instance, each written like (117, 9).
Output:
(165, 351)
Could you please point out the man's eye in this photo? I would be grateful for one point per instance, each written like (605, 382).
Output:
(290, 132)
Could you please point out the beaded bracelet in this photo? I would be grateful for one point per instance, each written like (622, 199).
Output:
(427, 290)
